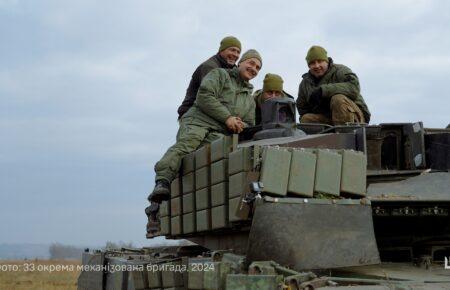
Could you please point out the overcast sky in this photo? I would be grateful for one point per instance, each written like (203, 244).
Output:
(89, 92)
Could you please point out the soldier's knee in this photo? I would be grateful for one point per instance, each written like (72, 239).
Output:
(338, 99)
(307, 118)
(315, 118)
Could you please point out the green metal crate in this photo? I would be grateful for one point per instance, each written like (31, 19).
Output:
(219, 171)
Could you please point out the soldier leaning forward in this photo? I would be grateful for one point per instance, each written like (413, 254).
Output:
(272, 89)
(329, 93)
(224, 105)
(229, 51)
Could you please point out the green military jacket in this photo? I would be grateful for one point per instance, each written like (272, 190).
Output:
(222, 93)
(216, 61)
(258, 101)
(339, 79)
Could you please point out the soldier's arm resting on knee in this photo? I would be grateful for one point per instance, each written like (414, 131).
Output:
(209, 93)
(348, 84)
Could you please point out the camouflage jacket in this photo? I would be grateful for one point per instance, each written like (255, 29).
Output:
(258, 101)
(339, 79)
(216, 61)
(222, 93)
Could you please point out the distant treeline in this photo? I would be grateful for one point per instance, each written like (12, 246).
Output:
(59, 251)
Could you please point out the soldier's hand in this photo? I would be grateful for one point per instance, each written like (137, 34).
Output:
(234, 124)
(241, 125)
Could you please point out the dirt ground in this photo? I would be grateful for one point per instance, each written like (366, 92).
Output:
(38, 275)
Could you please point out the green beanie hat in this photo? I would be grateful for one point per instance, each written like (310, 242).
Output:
(251, 53)
(273, 82)
(316, 53)
(229, 41)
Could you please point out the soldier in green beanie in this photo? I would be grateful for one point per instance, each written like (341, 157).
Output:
(251, 53)
(224, 105)
(272, 89)
(226, 57)
(329, 93)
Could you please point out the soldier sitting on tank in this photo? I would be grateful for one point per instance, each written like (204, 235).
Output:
(272, 89)
(229, 51)
(224, 105)
(329, 93)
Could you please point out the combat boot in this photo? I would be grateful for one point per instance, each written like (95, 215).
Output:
(160, 192)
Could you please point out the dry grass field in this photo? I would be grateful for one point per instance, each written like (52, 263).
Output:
(38, 275)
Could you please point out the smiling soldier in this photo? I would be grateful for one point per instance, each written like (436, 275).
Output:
(229, 51)
(224, 105)
(329, 93)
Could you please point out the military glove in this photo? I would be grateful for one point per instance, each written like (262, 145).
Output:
(316, 97)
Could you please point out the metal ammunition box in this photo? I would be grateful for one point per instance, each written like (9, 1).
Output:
(175, 206)
(328, 172)
(302, 173)
(219, 194)
(189, 223)
(203, 156)
(188, 182)
(196, 269)
(202, 199)
(114, 279)
(437, 158)
(354, 170)
(203, 220)
(219, 217)
(220, 148)
(202, 177)
(215, 278)
(233, 206)
(175, 187)
(275, 170)
(154, 278)
(219, 171)
(263, 282)
(92, 279)
(140, 279)
(188, 164)
(240, 183)
(171, 278)
(240, 160)
(165, 225)
(176, 225)
(164, 208)
(188, 202)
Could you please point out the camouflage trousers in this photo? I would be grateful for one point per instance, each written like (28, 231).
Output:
(189, 138)
(342, 109)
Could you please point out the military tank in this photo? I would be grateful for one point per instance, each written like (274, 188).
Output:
(298, 206)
